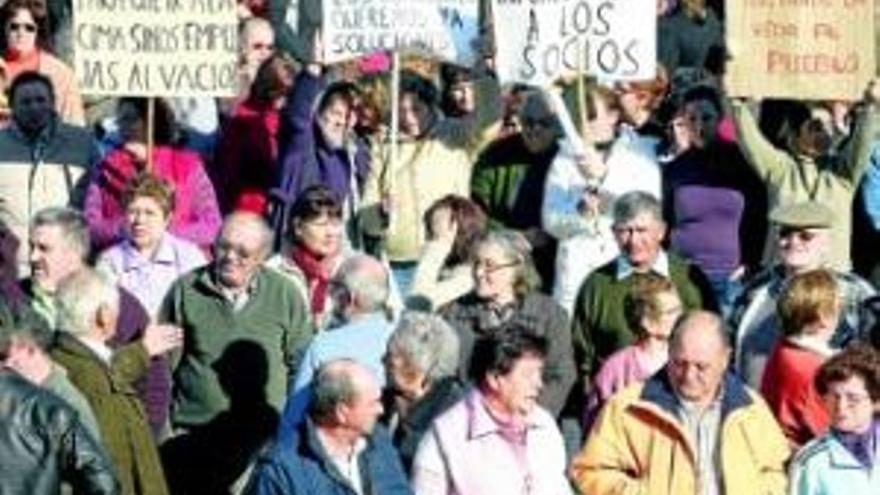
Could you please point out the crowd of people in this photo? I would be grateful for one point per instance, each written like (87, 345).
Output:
(597, 287)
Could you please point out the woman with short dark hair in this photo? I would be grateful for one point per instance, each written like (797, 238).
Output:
(845, 460)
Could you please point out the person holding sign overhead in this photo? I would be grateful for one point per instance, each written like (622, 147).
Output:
(26, 48)
(806, 170)
(321, 146)
(434, 157)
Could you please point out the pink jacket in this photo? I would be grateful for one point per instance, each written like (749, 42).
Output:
(465, 453)
(196, 216)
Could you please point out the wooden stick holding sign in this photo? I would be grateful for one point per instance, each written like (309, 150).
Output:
(151, 119)
(393, 138)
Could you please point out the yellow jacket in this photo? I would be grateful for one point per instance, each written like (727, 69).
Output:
(426, 169)
(638, 446)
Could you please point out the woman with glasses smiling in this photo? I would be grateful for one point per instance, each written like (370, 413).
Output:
(26, 48)
(846, 460)
(505, 293)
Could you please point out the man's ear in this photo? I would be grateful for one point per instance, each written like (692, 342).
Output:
(104, 319)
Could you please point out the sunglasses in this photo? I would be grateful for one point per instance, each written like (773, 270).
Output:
(799, 234)
(18, 26)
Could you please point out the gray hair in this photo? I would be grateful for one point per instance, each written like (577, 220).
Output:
(72, 223)
(79, 298)
(365, 280)
(332, 385)
(251, 220)
(516, 247)
(635, 203)
(427, 343)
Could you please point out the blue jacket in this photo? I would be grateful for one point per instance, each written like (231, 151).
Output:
(298, 465)
(824, 466)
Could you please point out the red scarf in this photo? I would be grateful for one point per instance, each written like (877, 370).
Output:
(317, 276)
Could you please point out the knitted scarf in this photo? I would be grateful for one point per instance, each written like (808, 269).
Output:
(317, 277)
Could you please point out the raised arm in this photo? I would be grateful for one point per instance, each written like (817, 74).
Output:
(766, 160)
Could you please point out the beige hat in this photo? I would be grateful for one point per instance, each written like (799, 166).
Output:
(805, 214)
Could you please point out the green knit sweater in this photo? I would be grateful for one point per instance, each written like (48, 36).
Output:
(227, 352)
(599, 325)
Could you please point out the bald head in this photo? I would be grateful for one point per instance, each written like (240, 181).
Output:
(699, 352)
(702, 326)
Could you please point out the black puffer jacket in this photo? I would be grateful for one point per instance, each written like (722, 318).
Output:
(42, 444)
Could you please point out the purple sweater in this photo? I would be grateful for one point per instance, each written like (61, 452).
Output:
(707, 194)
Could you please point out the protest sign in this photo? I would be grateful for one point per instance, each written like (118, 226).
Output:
(444, 29)
(804, 49)
(539, 40)
(156, 47)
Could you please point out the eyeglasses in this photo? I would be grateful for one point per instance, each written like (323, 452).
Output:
(492, 267)
(799, 234)
(847, 398)
(227, 247)
(262, 46)
(26, 26)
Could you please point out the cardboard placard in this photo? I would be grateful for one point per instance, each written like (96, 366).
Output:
(801, 49)
(540, 40)
(156, 47)
(444, 29)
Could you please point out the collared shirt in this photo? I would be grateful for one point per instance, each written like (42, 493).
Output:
(149, 279)
(660, 266)
(467, 451)
(703, 426)
(104, 353)
(43, 303)
(238, 298)
(349, 466)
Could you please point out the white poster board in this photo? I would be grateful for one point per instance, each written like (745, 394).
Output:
(540, 40)
(444, 29)
(156, 47)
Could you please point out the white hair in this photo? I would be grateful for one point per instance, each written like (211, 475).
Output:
(79, 298)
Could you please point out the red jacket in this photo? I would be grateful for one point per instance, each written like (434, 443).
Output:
(787, 385)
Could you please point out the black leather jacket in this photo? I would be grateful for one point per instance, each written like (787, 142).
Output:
(42, 444)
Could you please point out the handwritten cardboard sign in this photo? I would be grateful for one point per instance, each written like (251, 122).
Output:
(539, 40)
(803, 49)
(445, 29)
(156, 47)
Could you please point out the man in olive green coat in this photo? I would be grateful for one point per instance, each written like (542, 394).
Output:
(88, 307)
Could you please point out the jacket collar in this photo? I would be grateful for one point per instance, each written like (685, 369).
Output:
(658, 391)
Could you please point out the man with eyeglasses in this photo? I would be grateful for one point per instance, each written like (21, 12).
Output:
(803, 242)
(244, 329)
(693, 427)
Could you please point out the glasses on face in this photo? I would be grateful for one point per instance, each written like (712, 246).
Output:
(262, 46)
(847, 399)
(225, 247)
(801, 235)
(490, 266)
(25, 26)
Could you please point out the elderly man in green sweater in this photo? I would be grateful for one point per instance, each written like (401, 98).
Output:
(245, 327)
(599, 325)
